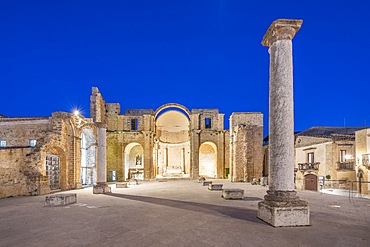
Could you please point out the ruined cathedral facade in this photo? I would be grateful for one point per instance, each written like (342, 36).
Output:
(67, 151)
(173, 141)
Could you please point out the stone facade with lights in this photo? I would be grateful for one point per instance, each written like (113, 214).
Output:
(173, 141)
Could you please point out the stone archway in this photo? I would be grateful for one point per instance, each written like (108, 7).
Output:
(172, 143)
(88, 158)
(208, 160)
(134, 161)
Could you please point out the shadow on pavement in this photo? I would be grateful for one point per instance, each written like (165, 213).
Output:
(238, 213)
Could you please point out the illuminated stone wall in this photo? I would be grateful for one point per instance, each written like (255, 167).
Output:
(205, 125)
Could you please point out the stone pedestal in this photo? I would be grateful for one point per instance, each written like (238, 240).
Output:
(281, 206)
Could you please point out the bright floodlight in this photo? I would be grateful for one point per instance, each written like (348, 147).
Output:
(76, 112)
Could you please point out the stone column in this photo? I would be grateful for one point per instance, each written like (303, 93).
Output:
(281, 205)
(102, 187)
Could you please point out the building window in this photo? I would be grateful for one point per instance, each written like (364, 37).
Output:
(208, 123)
(2, 143)
(32, 143)
(134, 124)
(310, 158)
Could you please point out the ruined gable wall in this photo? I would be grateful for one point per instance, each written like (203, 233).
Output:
(97, 106)
(246, 133)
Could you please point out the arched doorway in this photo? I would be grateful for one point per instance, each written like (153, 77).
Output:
(88, 158)
(172, 143)
(134, 161)
(208, 160)
(310, 182)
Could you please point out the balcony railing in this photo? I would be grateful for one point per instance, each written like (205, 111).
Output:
(347, 165)
(308, 166)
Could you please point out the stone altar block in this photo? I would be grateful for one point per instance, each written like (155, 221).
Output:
(60, 199)
(215, 186)
(233, 194)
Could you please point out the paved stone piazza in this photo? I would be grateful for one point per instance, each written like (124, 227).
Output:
(178, 213)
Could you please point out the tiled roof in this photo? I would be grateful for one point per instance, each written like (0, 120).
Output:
(330, 131)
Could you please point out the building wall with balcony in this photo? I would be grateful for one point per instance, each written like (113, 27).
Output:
(318, 166)
(328, 152)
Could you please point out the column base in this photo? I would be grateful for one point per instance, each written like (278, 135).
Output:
(101, 188)
(283, 208)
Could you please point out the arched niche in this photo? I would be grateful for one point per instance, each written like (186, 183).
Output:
(134, 161)
(208, 160)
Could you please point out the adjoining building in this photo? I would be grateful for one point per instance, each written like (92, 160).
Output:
(326, 152)
(173, 141)
(43, 154)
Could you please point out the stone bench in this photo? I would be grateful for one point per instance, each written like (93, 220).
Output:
(60, 199)
(121, 185)
(201, 180)
(215, 186)
(206, 183)
(233, 194)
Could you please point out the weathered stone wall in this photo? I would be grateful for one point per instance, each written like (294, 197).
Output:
(20, 174)
(246, 135)
(24, 167)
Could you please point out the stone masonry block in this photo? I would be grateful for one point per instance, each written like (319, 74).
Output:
(206, 183)
(215, 186)
(60, 199)
(233, 194)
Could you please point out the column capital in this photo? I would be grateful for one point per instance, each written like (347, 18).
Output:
(281, 29)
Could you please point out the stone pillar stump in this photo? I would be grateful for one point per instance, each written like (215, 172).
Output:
(281, 205)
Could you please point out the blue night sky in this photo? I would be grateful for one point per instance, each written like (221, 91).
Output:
(202, 54)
